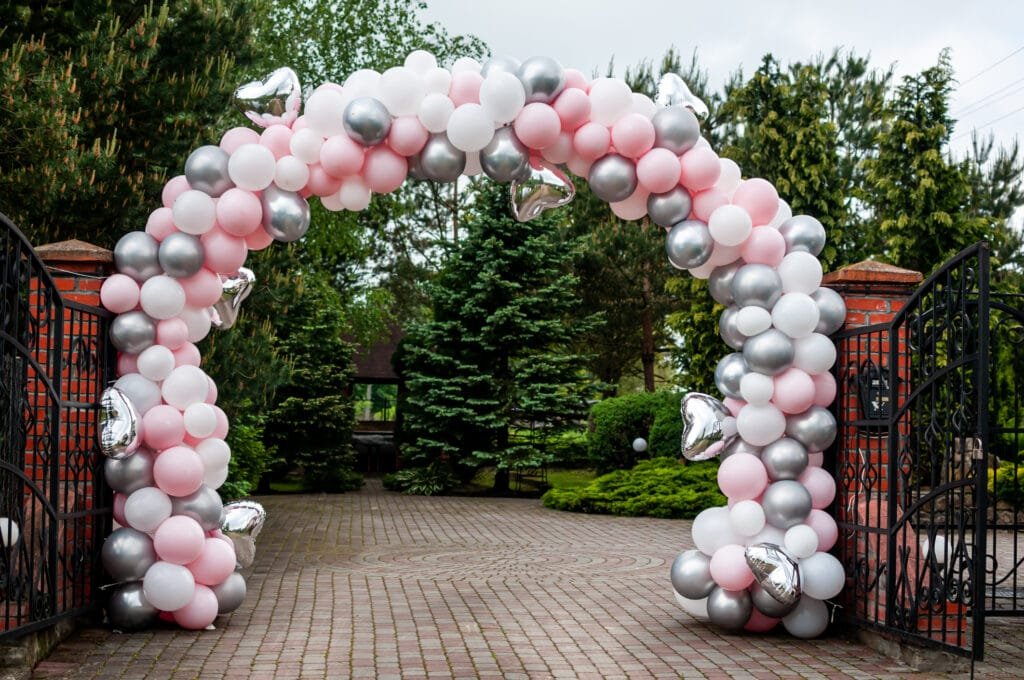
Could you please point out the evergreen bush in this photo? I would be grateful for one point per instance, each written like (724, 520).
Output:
(616, 422)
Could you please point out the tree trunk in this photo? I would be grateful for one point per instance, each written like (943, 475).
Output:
(501, 481)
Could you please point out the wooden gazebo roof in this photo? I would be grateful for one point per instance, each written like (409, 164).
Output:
(373, 364)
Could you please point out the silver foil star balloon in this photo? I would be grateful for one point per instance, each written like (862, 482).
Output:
(705, 426)
(775, 572)
(673, 91)
(234, 290)
(274, 100)
(242, 522)
(119, 432)
(547, 187)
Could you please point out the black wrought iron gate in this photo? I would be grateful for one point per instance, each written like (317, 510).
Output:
(53, 366)
(930, 498)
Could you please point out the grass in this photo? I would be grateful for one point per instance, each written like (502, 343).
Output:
(483, 483)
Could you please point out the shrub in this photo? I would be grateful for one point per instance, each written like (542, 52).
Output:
(659, 487)
(568, 449)
(432, 480)
(249, 456)
(1007, 483)
(616, 422)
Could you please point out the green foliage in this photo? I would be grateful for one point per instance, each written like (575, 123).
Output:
(432, 480)
(249, 456)
(568, 448)
(1006, 483)
(616, 422)
(659, 487)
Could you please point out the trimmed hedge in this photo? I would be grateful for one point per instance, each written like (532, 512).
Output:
(616, 422)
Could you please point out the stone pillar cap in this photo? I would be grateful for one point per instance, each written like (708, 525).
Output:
(73, 251)
(870, 271)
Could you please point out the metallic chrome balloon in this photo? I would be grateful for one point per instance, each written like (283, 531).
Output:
(129, 474)
(612, 178)
(784, 458)
(689, 244)
(119, 431)
(543, 79)
(729, 609)
(127, 553)
(815, 428)
(786, 503)
(416, 168)
(285, 214)
(207, 170)
(675, 129)
(505, 158)
(776, 573)
(367, 121)
(273, 100)
(137, 255)
(230, 593)
(738, 445)
(729, 372)
(204, 506)
(703, 433)
(132, 332)
(728, 330)
(756, 284)
(803, 232)
(670, 207)
(234, 290)
(128, 609)
(546, 188)
(691, 574)
(770, 352)
(673, 91)
(766, 604)
(720, 282)
(242, 522)
(440, 160)
(831, 309)
(500, 63)
(181, 255)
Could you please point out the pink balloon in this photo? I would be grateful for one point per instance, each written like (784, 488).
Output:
(699, 168)
(592, 141)
(742, 476)
(633, 135)
(175, 187)
(729, 567)
(723, 255)
(119, 293)
(658, 171)
(187, 355)
(239, 211)
(815, 458)
(321, 183)
(574, 79)
(578, 165)
(200, 612)
(561, 151)
(222, 424)
(172, 333)
(340, 156)
(178, 471)
(127, 363)
(465, 88)
(824, 389)
(537, 126)
(258, 240)
(384, 170)
(278, 139)
(301, 123)
(634, 207)
(759, 198)
(734, 405)
(821, 486)
(211, 394)
(160, 224)
(759, 623)
(214, 563)
(765, 245)
(573, 108)
(178, 539)
(119, 500)
(707, 202)
(239, 136)
(202, 289)
(794, 391)
(825, 526)
(224, 253)
(162, 427)
(407, 135)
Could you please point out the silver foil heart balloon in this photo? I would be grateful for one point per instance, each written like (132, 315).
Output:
(242, 522)
(673, 91)
(775, 572)
(272, 101)
(708, 427)
(119, 432)
(234, 290)
(547, 187)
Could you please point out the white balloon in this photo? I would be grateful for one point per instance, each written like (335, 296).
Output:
(722, 254)
(751, 320)
(9, 532)
(362, 83)
(305, 143)
(784, 213)
(559, 152)
(324, 113)
(291, 173)
(186, 385)
(147, 508)
(252, 167)
(942, 550)
(610, 100)
(156, 363)
(757, 388)
(712, 530)
(796, 315)
(332, 202)
(420, 61)
(800, 272)
(502, 96)
(801, 541)
(198, 322)
(194, 212)
(215, 478)
(644, 105)
(141, 391)
(747, 518)
(215, 453)
(354, 194)
(808, 620)
(730, 225)
(814, 354)
(162, 297)
(435, 111)
(470, 128)
(402, 90)
(168, 586)
(200, 420)
(730, 177)
(760, 425)
(695, 608)
(821, 576)
(466, 64)
(437, 80)
(769, 534)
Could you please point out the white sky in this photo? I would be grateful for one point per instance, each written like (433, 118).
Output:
(587, 34)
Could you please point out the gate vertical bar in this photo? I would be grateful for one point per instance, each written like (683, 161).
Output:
(981, 461)
(892, 473)
(56, 370)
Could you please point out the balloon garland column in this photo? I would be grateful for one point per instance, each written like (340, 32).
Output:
(760, 559)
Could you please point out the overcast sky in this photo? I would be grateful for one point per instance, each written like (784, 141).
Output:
(987, 39)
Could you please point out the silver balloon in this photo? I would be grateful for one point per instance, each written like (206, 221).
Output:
(673, 91)
(230, 593)
(543, 79)
(729, 609)
(285, 214)
(137, 255)
(181, 255)
(670, 207)
(416, 167)
(119, 431)
(128, 609)
(786, 503)
(440, 160)
(720, 282)
(831, 310)
(756, 284)
(234, 290)
(204, 506)
(770, 352)
(207, 170)
(691, 574)
(500, 63)
(612, 178)
(367, 121)
(703, 432)
(815, 428)
(505, 158)
(729, 372)
(127, 553)
(132, 332)
(784, 458)
(546, 188)
(689, 244)
(728, 330)
(803, 232)
(242, 522)
(739, 445)
(766, 604)
(275, 99)
(129, 474)
(676, 129)
(775, 572)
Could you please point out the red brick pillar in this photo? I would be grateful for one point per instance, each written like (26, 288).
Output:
(78, 269)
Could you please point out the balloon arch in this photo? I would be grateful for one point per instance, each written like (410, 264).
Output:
(761, 559)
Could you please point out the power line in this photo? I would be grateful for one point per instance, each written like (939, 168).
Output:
(991, 122)
(976, 102)
(984, 107)
(992, 66)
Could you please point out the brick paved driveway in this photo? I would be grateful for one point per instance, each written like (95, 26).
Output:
(375, 584)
